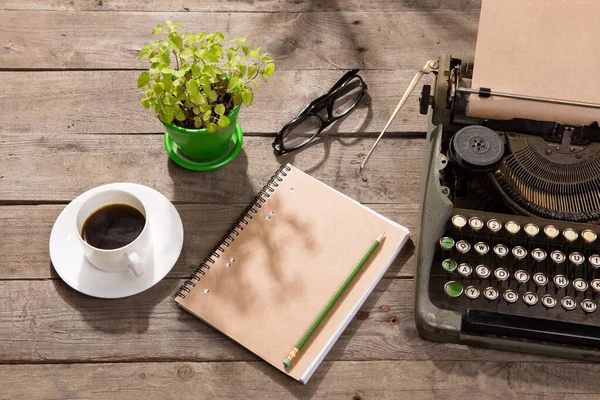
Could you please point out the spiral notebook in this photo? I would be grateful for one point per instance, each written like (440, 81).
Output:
(271, 275)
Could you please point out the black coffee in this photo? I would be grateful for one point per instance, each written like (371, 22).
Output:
(113, 226)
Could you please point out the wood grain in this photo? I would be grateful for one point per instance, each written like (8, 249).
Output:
(25, 231)
(333, 380)
(240, 6)
(69, 102)
(41, 168)
(46, 321)
(339, 40)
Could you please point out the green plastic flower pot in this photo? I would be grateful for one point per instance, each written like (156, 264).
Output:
(198, 147)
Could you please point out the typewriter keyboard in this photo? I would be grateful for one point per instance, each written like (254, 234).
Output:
(518, 265)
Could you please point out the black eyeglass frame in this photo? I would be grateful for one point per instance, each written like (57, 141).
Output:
(317, 105)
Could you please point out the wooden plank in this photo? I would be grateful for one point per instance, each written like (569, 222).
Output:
(25, 231)
(339, 40)
(46, 321)
(333, 380)
(239, 6)
(109, 102)
(59, 167)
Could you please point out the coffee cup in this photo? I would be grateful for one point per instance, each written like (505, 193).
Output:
(112, 227)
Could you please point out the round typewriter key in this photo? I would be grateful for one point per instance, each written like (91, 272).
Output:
(560, 281)
(588, 305)
(510, 296)
(494, 225)
(570, 235)
(453, 289)
(475, 223)
(531, 229)
(551, 231)
(449, 265)
(530, 298)
(557, 257)
(519, 252)
(490, 293)
(595, 284)
(538, 255)
(580, 285)
(589, 236)
(595, 261)
(482, 271)
(472, 292)
(481, 248)
(465, 269)
(540, 279)
(576, 258)
(512, 227)
(459, 221)
(501, 250)
(522, 276)
(446, 243)
(568, 303)
(548, 301)
(463, 246)
(501, 274)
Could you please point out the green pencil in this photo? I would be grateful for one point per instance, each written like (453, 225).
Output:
(338, 293)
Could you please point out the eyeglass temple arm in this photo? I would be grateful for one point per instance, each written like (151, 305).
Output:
(430, 66)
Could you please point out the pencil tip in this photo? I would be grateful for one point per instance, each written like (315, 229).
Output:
(381, 237)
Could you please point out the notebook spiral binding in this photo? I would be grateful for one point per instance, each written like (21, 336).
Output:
(235, 229)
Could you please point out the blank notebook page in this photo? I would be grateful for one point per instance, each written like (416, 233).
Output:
(279, 272)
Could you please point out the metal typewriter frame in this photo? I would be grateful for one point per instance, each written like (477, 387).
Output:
(434, 323)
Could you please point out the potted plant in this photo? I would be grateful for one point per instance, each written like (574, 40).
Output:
(196, 84)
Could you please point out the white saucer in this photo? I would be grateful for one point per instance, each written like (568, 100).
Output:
(71, 265)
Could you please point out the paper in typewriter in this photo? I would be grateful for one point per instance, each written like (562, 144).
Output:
(283, 270)
(548, 48)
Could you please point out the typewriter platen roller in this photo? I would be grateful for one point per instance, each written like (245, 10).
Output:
(509, 247)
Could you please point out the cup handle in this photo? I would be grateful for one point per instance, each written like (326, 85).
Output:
(135, 263)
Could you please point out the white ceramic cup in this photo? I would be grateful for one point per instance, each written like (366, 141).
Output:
(131, 255)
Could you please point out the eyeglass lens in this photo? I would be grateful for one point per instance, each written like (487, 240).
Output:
(308, 126)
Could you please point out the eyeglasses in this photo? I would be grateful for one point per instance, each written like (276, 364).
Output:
(339, 101)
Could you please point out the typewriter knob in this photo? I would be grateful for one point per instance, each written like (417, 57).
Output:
(425, 99)
(476, 149)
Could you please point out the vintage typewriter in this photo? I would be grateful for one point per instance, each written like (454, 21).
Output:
(509, 241)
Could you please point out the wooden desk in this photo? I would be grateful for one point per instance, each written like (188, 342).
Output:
(71, 120)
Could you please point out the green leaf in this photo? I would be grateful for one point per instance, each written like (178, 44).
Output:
(175, 41)
(220, 35)
(187, 52)
(210, 127)
(196, 110)
(146, 51)
(192, 87)
(166, 70)
(168, 81)
(220, 109)
(213, 95)
(254, 53)
(164, 58)
(245, 49)
(206, 116)
(180, 73)
(145, 102)
(197, 122)
(143, 79)
(242, 69)
(230, 53)
(157, 29)
(247, 96)
(180, 116)
(209, 58)
(223, 121)
(196, 70)
(251, 71)
(237, 99)
(267, 59)
(269, 69)
(159, 88)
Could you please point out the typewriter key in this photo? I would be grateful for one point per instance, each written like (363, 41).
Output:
(588, 305)
(459, 221)
(580, 285)
(588, 236)
(570, 235)
(531, 230)
(576, 258)
(482, 271)
(568, 303)
(475, 223)
(519, 252)
(472, 292)
(465, 269)
(542, 280)
(490, 293)
(449, 265)
(446, 243)
(481, 248)
(494, 225)
(512, 227)
(551, 231)
(463, 246)
(595, 261)
(538, 255)
(530, 298)
(453, 289)
(560, 281)
(501, 250)
(557, 257)
(548, 301)
(510, 296)
(522, 276)
(501, 274)
(595, 284)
